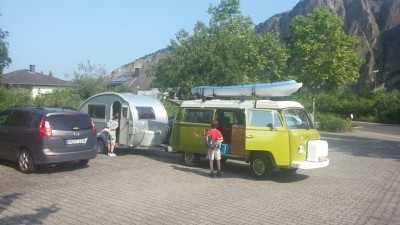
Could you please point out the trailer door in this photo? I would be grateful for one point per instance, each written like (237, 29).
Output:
(126, 124)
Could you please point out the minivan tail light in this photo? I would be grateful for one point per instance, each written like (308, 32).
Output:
(93, 127)
(44, 127)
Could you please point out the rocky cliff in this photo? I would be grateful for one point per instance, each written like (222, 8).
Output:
(377, 22)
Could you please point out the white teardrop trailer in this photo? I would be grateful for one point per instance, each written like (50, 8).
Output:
(143, 120)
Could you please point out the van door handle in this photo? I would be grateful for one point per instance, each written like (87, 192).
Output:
(249, 136)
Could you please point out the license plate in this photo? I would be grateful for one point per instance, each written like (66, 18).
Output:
(75, 141)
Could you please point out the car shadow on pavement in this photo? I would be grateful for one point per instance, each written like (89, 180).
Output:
(30, 218)
(362, 146)
(239, 171)
(156, 154)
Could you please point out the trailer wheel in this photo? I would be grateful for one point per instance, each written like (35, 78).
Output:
(190, 158)
(101, 146)
(261, 167)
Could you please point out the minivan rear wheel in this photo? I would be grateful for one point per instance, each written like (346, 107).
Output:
(25, 162)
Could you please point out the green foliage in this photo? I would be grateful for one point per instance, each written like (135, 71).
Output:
(171, 107)
(122, 88)
(373, 106)
(5, 60)
(89, 80)
(331, 123)
(387, 106)
(12, 97)
(226, 52)
(65, 97)
(321, 55)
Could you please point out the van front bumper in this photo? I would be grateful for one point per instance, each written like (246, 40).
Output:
(309, 165)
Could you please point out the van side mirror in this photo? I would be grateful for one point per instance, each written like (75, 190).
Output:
(271, 126)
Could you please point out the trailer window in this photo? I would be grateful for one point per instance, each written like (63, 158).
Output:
(146, 113)
(97, 111)
(198, 116)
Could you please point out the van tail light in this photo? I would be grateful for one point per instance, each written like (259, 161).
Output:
(44, 127)
(93, 127)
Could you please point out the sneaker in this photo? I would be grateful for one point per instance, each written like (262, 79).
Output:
(212, 174)
(219, 173)
(111, 154)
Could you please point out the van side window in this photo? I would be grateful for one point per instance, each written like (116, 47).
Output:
(260, 118)
(198, 116)
(97, 111)
(146, 113)
(19, 118)
(34, 120)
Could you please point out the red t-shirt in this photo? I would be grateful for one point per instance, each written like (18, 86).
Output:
(215, 133)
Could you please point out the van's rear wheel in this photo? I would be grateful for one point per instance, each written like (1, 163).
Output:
(190, 159)
(101, 146)
(261, 167)
(25, 162)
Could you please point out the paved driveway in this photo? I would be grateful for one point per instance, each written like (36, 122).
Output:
(361, 186)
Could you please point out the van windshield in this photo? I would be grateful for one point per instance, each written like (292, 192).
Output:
(298, 119)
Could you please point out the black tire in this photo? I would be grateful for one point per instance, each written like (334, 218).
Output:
(101, 146)
(82, 162)
(261, 167)
(190, 159)
(25, 162)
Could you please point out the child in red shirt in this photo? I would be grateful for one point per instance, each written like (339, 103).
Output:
(215, 153)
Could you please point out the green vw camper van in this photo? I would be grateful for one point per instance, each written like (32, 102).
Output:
(267, 134)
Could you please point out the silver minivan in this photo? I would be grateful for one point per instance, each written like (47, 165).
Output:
(34, 136)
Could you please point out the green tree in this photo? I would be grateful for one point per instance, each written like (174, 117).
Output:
(89, 80)
(226, 52)
(5, 60)
(65, 97)
(122, 88)
(14, 96)
(321, 55)
(51, 74)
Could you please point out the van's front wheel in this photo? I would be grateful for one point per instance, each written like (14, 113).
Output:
(190, 158)
(261, 167)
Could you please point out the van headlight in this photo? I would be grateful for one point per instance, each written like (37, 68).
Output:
(300, 149)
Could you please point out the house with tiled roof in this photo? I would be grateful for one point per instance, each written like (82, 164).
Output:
(31, 80)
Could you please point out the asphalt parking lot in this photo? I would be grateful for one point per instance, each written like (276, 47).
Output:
(361, 186)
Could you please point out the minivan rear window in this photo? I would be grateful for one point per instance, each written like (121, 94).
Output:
(69, 122)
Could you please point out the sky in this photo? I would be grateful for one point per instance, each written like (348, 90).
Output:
(58, 35)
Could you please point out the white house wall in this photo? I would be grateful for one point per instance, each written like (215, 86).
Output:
(42, 90)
